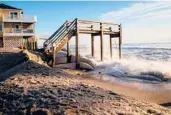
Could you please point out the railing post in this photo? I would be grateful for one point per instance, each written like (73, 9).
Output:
(101, 40)
(77, 43)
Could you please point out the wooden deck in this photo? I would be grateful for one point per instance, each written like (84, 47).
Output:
(76, 27)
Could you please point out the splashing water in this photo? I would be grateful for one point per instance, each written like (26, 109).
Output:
(150, 62)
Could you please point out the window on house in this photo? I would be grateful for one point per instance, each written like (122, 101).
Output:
(17, 26)
(0, 27)
(13, 14)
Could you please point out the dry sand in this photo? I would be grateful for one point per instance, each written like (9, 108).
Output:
(34, 88)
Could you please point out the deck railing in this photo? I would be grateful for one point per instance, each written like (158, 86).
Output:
(96, 25)
(82, 25)
(18, 32)
(21, 18)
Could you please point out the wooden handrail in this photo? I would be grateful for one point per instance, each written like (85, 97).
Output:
(64, 32)
(89, 21)
(51, 37)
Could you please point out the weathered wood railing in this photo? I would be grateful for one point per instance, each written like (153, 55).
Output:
(48, 41)
(96, 26)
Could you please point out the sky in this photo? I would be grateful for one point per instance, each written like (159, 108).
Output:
(142, 22)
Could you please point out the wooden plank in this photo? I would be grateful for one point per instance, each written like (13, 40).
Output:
(84, 31)
(106, 23)
(101, 41)
(111, 53)
(89, 31)
(92, 45)
(115, 35)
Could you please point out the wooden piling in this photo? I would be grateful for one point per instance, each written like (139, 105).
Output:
(101, 41)
(68, 52)
(120, 40)
(92, 45)
(77, 44)
(111, 53)
(54, 57)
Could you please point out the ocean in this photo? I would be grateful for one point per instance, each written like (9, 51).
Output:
(143, 63)
(148, 51)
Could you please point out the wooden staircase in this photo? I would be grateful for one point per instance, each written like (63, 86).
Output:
(62, 36)
(57, 41)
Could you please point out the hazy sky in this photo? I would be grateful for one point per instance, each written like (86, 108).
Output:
(142, 21)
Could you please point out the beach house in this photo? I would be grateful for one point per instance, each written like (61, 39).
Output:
(16, 29)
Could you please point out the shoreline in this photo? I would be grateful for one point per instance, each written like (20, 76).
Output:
(158, 97)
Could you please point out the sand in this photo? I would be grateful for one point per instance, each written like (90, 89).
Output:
(35, 88)
(159, 97)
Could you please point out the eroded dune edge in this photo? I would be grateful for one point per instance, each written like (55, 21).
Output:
(29, 86)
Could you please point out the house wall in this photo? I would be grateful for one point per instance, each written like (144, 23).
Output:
(6, 12)
(1, 12)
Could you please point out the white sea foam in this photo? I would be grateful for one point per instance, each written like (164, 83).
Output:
(138, 60)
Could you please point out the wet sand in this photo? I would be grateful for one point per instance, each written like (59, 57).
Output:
(159, 97)
(150, 96)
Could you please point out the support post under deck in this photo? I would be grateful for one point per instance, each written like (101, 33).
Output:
(77, 44)
(92, 45)
(120, 40)
(101, 41)
(111, 53)
(54, 57)
(68, 52)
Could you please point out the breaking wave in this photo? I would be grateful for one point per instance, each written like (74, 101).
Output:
(145, 63)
